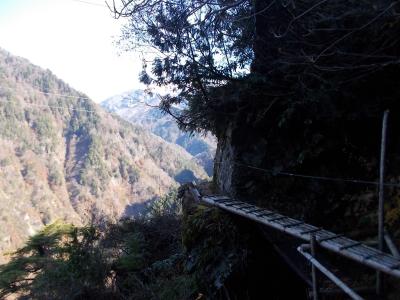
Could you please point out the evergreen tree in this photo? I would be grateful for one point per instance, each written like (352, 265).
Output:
(286, 50)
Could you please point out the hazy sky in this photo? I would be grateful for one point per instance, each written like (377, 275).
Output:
(74, 40)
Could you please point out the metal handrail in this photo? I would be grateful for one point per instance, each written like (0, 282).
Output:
(345, 288)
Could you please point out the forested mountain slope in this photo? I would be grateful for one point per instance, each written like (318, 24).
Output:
(138, 107)
(61, 156)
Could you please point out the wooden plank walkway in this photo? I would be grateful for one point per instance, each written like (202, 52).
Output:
(336, 243)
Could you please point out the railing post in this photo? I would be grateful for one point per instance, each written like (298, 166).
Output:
(314, 274)
(381, 213)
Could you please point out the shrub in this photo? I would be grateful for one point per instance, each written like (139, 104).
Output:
(43, 127)
(95, 173)
(167, 205)
(28, 173)
(127, 171)
(5, 162)
(60, 262)
(133, 259)
(55, 177)
(215, 249)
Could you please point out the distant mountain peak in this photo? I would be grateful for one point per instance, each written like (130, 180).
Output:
(132, 106)
(64, 157)
(130, 99)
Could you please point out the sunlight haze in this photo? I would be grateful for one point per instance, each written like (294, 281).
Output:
(74, 39)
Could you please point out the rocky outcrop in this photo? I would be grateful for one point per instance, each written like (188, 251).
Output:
(224, 164)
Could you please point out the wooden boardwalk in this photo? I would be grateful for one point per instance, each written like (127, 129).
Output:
(336, 243)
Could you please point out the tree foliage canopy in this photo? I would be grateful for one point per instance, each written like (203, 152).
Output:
(60, 262)
(280, 47)
(192, 46)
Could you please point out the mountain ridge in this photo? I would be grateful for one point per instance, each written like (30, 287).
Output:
(64, 157)
(140, 107)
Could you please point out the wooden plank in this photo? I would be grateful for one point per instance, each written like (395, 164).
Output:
(294, 224)
(334, 236)
(351, 245)
(257, 209)
(340, 245)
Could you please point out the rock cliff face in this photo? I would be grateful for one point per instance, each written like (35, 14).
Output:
(316, 115)
(259, 146)
(63, 157)
(239, 154)
(224, 162)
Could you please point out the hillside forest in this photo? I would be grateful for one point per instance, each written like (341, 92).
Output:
(63, 157)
